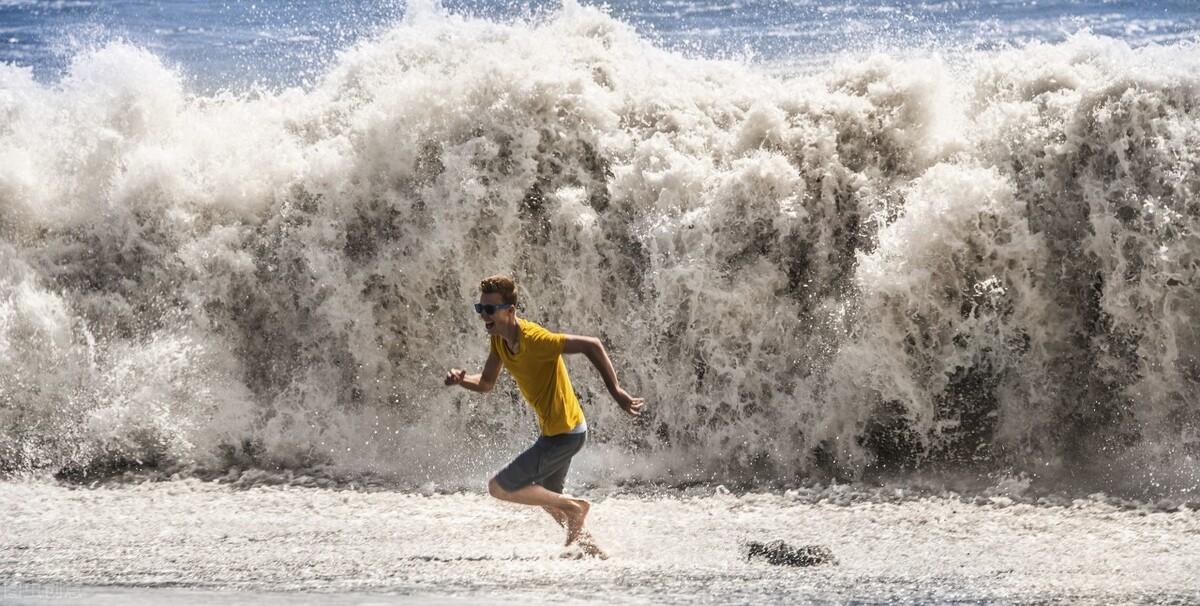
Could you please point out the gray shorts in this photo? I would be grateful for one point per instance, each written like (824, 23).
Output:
(545, 463)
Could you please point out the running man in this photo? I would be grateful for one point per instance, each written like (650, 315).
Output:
(533, 356)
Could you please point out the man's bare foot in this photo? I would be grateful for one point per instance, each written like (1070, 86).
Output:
(576, 515)
(557, 514)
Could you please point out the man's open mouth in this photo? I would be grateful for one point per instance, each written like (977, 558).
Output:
(489, 325)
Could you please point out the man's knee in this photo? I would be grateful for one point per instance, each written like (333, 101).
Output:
(495, 489)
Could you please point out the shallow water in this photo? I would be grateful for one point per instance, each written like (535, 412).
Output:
(176, 541)
(98, 595)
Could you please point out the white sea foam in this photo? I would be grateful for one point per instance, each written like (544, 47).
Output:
(892, 263)
(681, 549)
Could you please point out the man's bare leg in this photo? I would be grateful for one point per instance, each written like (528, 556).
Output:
(573, 510)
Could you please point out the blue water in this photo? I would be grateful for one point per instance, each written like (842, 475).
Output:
(269, 42)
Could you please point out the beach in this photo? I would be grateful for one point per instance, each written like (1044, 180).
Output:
(192, 539)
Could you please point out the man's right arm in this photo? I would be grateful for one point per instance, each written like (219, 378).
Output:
(482, 382)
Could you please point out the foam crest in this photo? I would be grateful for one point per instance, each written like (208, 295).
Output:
(892, 264)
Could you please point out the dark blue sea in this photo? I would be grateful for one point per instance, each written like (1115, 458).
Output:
(272, 43)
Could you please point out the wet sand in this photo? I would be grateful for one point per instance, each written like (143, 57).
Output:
(190, 541)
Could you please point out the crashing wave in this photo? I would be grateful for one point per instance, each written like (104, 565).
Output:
(894, 264)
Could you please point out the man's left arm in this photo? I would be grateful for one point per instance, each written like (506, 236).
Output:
(594, 350)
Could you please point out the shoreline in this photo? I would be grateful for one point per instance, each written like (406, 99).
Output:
(966, 487)
(187, 535)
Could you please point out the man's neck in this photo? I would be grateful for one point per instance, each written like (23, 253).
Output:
(509, 334)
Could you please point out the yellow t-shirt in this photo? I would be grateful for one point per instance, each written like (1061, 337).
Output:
(542, 377)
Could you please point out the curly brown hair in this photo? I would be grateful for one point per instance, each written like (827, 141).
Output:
(500, 284)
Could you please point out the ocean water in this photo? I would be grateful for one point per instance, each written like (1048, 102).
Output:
(915, 281)
(247, 236)
(272, 43)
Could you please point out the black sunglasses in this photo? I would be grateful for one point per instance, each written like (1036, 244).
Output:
(489, 309)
